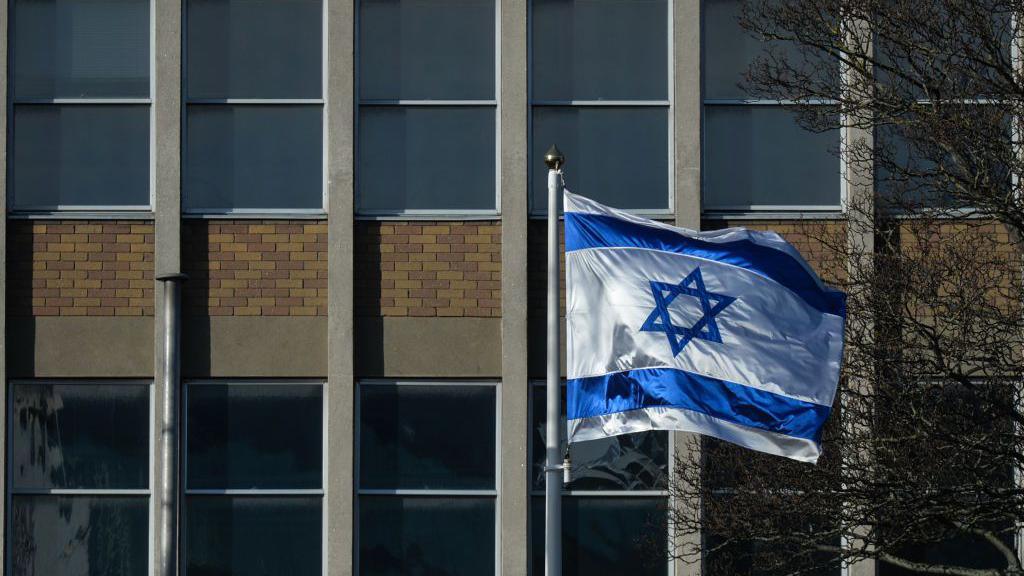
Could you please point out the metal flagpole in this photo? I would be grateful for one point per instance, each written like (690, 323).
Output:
(552, 481)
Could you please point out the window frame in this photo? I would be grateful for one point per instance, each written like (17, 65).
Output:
(359, 102)
(534, 493)
(360, 491)
(184, 491)
(321, 102)
(148, 492)
(533, 172)
(91, 211)
(761, 211)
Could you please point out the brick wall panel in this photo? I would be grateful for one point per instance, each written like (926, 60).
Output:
(255, 268)
(450, 269)
(80, 268)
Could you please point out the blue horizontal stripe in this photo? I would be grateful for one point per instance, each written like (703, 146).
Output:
(583, 231)
(669, 387)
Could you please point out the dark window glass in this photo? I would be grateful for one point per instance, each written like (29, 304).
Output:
(600, 50)
(254, 157)
(427, 437)
(628, 462)
(426, 158)
(453, 536)
(759, 157)
(79, 436)
(253, 535)
(255, 48)
(80, 48)
(79, 535)
(618, 155)
(607, 536)
(80, 156)
(426, 49)
(255, 436)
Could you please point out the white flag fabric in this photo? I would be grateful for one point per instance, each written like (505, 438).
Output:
(726, 333)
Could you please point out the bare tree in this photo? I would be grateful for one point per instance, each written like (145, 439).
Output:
(923, 452)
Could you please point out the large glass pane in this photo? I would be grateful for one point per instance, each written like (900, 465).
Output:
(426, 158)
(79, 536)
(607, 536)
(80, 48)
(80, 156)
(253, 535)
(617, 156)
(426, 49)
(254, 157)
(254, 48)
(600, 50)
(79, 436)
(426, 437)
(426, 535)
(759, 157)
(255, 436)
(729, 51)
(628, 462)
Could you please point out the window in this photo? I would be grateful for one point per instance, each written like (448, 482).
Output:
(80, 112)
(599, 85)
(618, 494)
(254, 107)
(427, 113)
(253, 469)
(427, 478)
(79, 478)
(756, 156)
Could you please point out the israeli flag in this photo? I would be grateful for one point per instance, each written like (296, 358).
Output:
(726, 333)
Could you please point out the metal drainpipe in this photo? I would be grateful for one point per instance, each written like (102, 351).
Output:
(169, 438)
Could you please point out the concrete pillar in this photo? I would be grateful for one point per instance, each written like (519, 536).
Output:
(686, 179)
(165, 141)
(515, 429)
(340, 397)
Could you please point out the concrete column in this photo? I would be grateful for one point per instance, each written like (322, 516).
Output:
(165, 141)
(686, 178)
(3, 266)
(340, 396)
(515, 429)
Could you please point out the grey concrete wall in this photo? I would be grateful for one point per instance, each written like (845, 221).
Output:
(515, 431)
(340, 396)
(80, 346)
(254, 347)
(166, 178)
(428, 347)
(686, 110)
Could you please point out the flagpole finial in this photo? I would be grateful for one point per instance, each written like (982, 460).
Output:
(554, 158)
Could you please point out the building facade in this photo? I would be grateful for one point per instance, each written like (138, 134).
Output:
(355, 190)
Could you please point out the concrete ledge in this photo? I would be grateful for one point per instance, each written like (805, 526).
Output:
(254, 346)
(428, 347)
(80, 346)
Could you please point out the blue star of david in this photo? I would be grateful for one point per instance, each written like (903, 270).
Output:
(678, 336)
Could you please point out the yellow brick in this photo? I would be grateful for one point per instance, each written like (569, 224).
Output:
(131, 311)
(261, 301)
(88, 247)
(233, 283)
(222, 292)
(263, 265)
(60, 247)
(437, 248)
(411, 284)
(423, 239)
(129, 238)
(289, 247)
(247, 311)
(288, 283)
(479, 239)
(73, 238)
(128, 293)
(261, 228)
(248, 274)
(302, 238)
(129, 256)
(142, 247)
(274, 238)
(142, 228)
(303, 256)
(394, 293)
(232, 247)
(302, 311)
(410, 266)
(88, 265)
(394, 311)
(74, 292)
(219, 238)
(74, 311)
(315, 228)
(449, 275)
(394, 275)
(84, 228)
(436, 229)
(409, 302)
(86, 283)
(302, 292)
(247, 256)
(79, 302)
